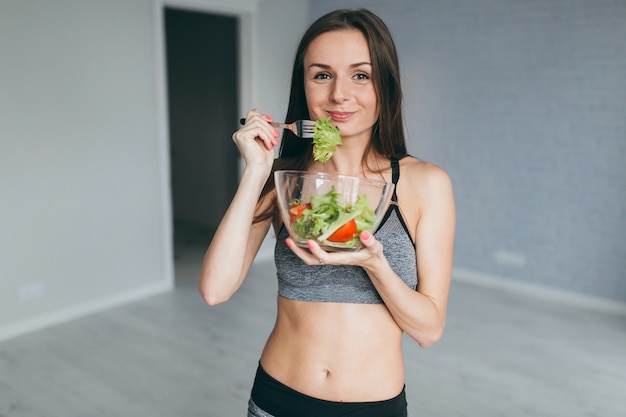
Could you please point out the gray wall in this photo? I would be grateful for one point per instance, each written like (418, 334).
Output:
(524, 104)
(81, 210)
(85, 208)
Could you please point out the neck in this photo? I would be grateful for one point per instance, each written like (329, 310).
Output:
(348, 163)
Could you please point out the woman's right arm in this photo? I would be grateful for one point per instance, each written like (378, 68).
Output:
(237, 240)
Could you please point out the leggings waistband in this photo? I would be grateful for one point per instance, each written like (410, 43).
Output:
(279, 400)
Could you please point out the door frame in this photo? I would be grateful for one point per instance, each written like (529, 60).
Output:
(246, 11)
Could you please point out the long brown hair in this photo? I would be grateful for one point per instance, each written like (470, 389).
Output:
(388, 138)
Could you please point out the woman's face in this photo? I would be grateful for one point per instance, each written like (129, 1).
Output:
(338, 82)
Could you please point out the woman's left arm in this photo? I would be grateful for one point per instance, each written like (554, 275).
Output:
(422, 313)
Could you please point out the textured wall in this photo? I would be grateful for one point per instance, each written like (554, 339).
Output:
(524, 103)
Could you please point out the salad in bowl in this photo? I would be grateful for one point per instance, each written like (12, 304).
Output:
(331, 209)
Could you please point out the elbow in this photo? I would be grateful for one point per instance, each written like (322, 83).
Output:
(212, 300)
(426, 342)
(212, 297)
(427, 339)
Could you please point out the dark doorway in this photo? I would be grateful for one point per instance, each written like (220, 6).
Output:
(202, 80)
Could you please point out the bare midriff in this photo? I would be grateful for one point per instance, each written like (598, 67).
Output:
(336, 351)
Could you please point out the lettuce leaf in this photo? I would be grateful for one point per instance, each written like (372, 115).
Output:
(326, 137)
(328, 213)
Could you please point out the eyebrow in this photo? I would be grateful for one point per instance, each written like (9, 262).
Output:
(324, 66)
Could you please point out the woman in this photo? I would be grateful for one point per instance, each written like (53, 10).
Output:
(335, 353)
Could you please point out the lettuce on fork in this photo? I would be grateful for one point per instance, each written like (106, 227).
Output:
(326, 137)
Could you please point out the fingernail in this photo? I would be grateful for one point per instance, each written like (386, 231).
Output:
(309, 244)
(268, 118)
(366, 235)
(287, 241)
(276, 133)
(275, 142)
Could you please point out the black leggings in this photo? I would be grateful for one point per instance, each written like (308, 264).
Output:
(271, 398)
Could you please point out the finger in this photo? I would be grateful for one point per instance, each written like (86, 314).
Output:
(319, 256)
(270, 140)
(298, 251)
(309, 258)
(258, 125)
(254, 114)
(258, 130)
(367, 239)
(371, 246)
(251, 113)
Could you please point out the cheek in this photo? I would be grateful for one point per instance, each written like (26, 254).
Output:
(313, 94)
(314, 99)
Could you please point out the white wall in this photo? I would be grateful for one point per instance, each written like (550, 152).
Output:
(84, 196)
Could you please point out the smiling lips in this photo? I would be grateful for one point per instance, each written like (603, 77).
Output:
(340, 116)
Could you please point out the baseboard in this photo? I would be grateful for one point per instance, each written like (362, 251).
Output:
(539, 291)
(62, 315)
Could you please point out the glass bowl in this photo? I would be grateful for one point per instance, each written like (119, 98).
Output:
(330, 209)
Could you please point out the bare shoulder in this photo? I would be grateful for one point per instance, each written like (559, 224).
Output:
(421, 176)
(423, 187)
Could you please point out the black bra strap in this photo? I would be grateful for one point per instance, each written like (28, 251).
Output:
(395, 175)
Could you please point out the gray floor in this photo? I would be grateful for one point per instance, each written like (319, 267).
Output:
(171, 355)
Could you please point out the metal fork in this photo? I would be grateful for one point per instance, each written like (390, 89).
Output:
(301, 128)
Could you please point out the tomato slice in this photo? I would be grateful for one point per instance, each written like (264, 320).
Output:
(295, 212)
(344, 233)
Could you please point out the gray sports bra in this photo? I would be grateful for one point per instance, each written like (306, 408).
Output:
(346, 283)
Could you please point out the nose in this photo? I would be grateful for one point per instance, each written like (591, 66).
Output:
(340, 91)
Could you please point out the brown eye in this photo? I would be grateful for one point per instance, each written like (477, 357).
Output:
(321, 76)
